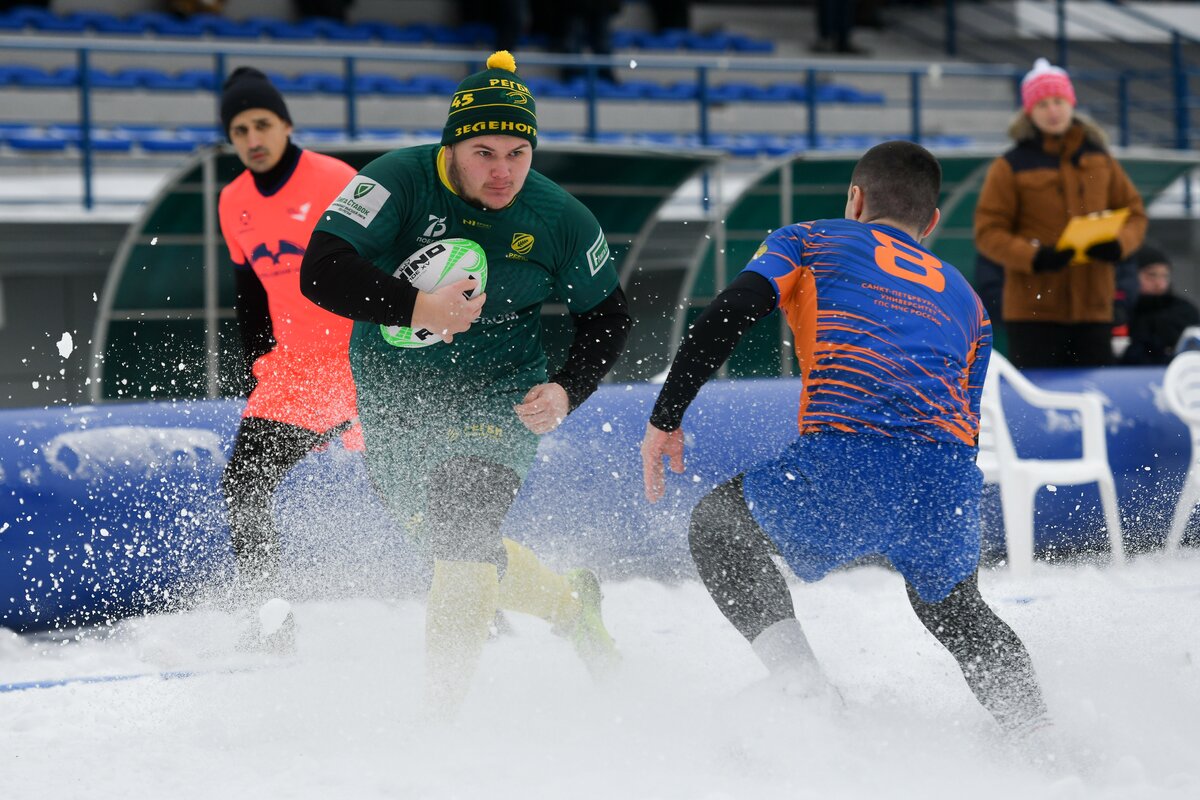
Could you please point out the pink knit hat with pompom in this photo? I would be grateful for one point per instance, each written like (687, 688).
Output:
(1045, 81)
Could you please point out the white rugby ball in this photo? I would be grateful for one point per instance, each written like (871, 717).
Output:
(436, 265)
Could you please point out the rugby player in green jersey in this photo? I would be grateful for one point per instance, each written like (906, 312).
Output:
(451, 429)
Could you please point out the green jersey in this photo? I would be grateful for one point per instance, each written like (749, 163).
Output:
(544, 244)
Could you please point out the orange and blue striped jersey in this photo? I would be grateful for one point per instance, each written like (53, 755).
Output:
(891, 340)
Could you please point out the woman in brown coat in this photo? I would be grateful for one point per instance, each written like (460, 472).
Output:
(1057, 313)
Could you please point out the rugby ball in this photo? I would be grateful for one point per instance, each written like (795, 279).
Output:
(435, 265)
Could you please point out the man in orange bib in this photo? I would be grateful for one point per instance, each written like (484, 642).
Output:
(296, 354)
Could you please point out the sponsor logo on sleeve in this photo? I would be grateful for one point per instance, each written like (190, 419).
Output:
(360, 200)
(597, 254)
(762, 248)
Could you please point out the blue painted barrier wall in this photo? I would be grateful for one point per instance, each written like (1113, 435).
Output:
(113, 510)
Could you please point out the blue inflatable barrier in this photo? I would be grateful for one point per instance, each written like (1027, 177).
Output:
(113, 510)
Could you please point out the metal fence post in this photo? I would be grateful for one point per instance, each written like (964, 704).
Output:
(351, 99)
(810, 83)
(1123, 108)
(1180, 73)
(914, 82)
(1061, 24)
(85, 126)
(951, 29)
(593, 120)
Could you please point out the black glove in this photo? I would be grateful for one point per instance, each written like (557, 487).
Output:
(1048, 259)
(1105, 251)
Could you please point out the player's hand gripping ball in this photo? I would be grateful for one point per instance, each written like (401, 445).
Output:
(436, 265)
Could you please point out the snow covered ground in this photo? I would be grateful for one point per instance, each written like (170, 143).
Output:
(1118, 651)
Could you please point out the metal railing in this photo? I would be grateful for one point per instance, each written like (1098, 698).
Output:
(915, 77)
(1161, 76)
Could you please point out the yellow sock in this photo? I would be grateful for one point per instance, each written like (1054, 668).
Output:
(461, 606)
(529, 586)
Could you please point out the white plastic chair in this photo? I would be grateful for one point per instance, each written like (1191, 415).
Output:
(1021, 478)
(1181, 385)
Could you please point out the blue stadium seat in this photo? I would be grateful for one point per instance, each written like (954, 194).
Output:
(396, 34)
(681, 90)
(452, 37)
(102, 139)
(744, 44)
(54, 24)
(389, 85)
(34, 141)
(117, 26)
(304, 83)
(671, 39)
(58, 78)
(319, 135)
(775, 93)
(201, 134)
(18, 129)
(291, 32)
(617, 91)
(707, 43)
(19, 74)
(731, 92)
(625, 40)
(168, 144)
(336, 31)
(223, 28)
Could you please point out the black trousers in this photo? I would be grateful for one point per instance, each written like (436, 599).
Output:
(734, 558)
(1055, 344)
(264, 452)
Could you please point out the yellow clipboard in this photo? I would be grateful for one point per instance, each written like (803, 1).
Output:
(1083, 232)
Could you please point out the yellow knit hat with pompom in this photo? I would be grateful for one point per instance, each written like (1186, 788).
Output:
(492, 102)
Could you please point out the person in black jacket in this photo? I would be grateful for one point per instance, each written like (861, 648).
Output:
(1159, 316)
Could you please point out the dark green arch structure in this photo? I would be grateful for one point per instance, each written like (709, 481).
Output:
(165, 327)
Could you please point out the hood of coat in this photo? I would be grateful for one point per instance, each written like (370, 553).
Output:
(1022, 129)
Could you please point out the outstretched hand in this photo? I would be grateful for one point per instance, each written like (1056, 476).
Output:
(448, 311)
(656, 444)
(544, 408)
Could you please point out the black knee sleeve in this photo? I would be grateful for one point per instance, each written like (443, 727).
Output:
(991, 656)
(466, 502)
(733, 556)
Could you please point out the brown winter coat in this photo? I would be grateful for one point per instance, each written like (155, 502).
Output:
(1028, 195)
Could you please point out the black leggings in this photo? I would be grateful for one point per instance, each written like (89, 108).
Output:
(734, 558)
(264, 452)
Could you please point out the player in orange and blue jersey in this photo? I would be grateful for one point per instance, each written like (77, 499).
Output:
(893, 345)
(296, 353)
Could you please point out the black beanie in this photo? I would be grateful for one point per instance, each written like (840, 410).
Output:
(1148, 254)
(246, 88)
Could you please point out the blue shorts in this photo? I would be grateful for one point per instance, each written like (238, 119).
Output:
(831, 498)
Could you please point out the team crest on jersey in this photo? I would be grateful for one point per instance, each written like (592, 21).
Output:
(522, 243)
(360, 201)
(437, 226)
(762, 248)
